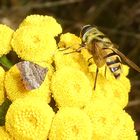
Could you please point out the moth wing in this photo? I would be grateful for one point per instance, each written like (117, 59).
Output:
(128, 61)
(32, 74)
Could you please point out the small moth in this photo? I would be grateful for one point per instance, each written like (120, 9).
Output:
(32, 74)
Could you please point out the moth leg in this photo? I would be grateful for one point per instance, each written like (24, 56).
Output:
(105, 71)
(97, 70)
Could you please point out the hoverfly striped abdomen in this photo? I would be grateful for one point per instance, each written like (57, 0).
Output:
(113, 61)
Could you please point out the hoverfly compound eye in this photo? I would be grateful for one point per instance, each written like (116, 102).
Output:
(84, 30)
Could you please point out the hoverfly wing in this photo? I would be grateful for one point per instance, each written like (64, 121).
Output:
(98, 54)
(128, 61)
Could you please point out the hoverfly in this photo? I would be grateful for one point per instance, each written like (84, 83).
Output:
(103, 51)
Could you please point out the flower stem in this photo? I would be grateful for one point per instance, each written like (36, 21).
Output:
(5, 62)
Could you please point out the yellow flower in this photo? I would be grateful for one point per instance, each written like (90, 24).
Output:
(2, 76)
(103, 88)
(125, 70)
(71, 124)
(29, 118)
(72, 42)
(3, 134)
(69, 40)
(74, 60)
(49, 24)
(33, 44)
(5, 38)
(109, 120)
(124, 128)
(15, 88)
(71, 87)
(121, 89)
(109, 87)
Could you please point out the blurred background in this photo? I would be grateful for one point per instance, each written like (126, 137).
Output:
(118, 19)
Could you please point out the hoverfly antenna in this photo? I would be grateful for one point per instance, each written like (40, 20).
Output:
(85, 29)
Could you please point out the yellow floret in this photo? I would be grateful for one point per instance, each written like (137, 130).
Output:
(109, 87)
(2, 76)
(108, 121)
(71, 124)
(49, 23)
(121, 89)
(124, 128)
(74, 60)
(15, 88)
(102, 88)
(69, 40)
(4, 135)
(5, 38)
(29, 118)
(125, 70)
(34, 44)
(71, 87)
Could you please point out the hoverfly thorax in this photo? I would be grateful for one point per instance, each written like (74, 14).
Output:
(84, 33)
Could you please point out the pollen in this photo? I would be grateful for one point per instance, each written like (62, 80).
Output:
(71, 87)
(2, 93)
(48, 23)
(71, 124)
(33, 44)
(4, 135)
(29, 118)
(109, 121)
(5, 39)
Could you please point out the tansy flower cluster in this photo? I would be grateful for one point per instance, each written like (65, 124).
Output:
(65, 106)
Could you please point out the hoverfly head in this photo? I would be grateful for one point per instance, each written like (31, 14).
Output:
(84, 33)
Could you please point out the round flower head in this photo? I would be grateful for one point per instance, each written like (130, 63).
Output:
(125, 70)
(2, 76)
(121, 89)
(69, 40)
(29, 118)
(49, 24)
(15, 88)
(74, 60)
(124, 128)
(33, 44)
(102, 89)
(71, 124)
(71, 87)
(3, 134)
(109, 87)
(105, 117)
(5, 38)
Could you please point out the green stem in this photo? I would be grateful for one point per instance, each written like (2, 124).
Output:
(6, 62)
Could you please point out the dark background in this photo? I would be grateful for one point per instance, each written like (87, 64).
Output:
(118, 19)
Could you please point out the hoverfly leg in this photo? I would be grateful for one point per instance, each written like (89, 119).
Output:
(105, 71)
(89, 61)
(77, 50)
(71, 52)
(64, 49)
(97, 70)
